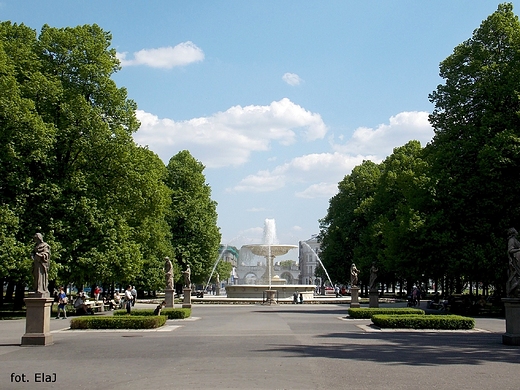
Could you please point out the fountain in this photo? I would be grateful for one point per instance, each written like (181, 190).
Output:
(270, 284)
(319, 260)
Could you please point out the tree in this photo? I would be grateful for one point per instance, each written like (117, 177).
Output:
(192, 219)
(475, 156)
(346, 221)
(399, 216)
(69, 167)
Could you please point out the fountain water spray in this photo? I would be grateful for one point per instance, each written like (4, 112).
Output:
(215, 267)
(220, 257)
(322, 266)
(269, 239)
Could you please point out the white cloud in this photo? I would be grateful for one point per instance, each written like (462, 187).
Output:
(320, 190)
(229, 137)
(331, 167)
(292, 79)
(165, 57)
(322, 172)
(381, 141)
(252, 235)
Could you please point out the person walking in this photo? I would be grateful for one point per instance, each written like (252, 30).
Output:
(97, 291)
(134, 295)
(62, 303)
(128, 299)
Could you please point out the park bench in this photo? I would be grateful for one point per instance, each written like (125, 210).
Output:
(97, 306)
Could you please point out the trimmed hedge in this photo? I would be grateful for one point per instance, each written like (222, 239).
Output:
(119, 322)
(368, 312)
(10, 315)
(171, 314)
(423, 321)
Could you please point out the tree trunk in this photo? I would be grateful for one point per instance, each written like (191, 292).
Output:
(9, 292)
(458, 286)
(19, 295)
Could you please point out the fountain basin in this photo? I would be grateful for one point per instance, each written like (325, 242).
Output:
(269, 250)
(257, 290)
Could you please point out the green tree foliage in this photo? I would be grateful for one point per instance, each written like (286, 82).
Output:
(287, 264)
(442, 211)
(398, 216)
(69, 167)
(192, 219)
(475, 156)
(223, 269)
(377, 217)
(346, 223)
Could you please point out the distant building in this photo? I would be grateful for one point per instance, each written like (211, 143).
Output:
(308, 260)
(229, 254)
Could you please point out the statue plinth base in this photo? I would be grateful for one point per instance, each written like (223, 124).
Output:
(169, 297)
(354, 297)
(37, 321)
(374, 298)
(512, 335)
(186, 304)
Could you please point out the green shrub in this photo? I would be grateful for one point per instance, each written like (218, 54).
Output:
(423, 321)
(12, 314)
(118, 322)
(172, 314)
(368, 312)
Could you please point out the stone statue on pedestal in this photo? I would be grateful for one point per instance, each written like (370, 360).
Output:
(353, 275)
(187, 277)
(373, 277)
(41, 255)
(513, 251)
(168, 273)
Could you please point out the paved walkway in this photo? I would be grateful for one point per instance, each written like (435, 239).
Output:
(262, 347)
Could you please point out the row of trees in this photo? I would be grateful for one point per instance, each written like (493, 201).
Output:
(442, 211)
(69, 168)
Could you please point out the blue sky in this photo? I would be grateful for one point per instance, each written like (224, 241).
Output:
(278, 99)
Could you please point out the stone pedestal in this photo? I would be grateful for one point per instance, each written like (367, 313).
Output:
(169, 297)
(512, 335)
(354, 297)
(270, 297)
(217, 289)
(374, 299)
(37, 321)
(186, 304)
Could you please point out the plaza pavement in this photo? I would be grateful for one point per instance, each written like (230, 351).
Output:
(309, 346)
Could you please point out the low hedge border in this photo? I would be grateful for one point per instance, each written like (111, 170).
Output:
(119, 322)
(12, 315)
(445, 322)
(368, 312)
(171, 314)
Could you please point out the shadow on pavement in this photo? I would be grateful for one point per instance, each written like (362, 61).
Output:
(418, 349)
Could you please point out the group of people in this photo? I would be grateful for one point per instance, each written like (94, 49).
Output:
(80, 305)
(297, 297)
(414, 299)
